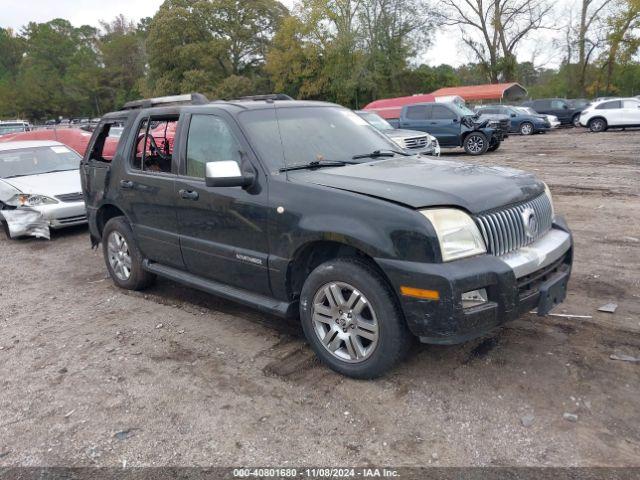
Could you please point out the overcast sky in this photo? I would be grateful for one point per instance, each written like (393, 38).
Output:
(446, 48)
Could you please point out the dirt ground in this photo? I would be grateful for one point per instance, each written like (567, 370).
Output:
(92, 375)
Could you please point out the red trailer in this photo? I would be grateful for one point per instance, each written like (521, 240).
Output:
(390, 108)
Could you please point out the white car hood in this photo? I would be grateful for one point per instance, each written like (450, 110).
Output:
(49, 184)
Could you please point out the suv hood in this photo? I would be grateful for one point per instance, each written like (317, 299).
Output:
(49, 184)
(426, 182)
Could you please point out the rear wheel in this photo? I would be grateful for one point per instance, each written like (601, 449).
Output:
(352, 319)
(576, 120)
(526, 128)
(597, 125)
(122, 256)
(476, 143)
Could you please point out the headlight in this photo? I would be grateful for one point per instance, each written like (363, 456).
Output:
(548, 194)
(25, 200)
(458, 234)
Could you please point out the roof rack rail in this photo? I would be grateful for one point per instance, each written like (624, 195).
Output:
(269, 97)
(189, 99)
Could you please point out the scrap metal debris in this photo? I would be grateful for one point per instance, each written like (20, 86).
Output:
(624, 358)
(609, 308)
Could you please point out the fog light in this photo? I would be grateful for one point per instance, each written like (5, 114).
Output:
(474, 298)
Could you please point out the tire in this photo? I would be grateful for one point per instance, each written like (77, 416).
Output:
(476, 143)
(598, 125)
(364, 344)
(124, 261)
(575, 121)
(526, 128)
(494, 145)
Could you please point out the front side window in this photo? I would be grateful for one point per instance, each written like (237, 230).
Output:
(558, 104)
(609, 105)
(153, 149)
(210, 140)
(37, 161)
(442, 113)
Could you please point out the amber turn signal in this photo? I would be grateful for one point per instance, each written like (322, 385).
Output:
(420, 293)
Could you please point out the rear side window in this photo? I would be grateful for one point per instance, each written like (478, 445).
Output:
(153, 148)
(442, 113)
(418, 112)
(630, 104)
(210, 140)
(107, 141)
(541, 104)
(609, 105)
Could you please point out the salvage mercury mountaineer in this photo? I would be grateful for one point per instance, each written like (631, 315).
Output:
(302, 209)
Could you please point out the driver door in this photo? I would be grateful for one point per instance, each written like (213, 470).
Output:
(223, 230)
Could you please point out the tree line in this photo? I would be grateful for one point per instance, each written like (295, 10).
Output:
(346, 51)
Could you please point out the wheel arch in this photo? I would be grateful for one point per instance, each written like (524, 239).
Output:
(314, 253)
(105, 213)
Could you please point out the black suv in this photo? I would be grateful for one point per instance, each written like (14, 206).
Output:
(303, 209)
(567, 112)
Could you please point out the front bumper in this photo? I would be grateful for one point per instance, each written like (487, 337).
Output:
(36, 221)
(533, 277)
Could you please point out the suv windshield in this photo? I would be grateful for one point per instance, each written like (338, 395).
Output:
(36, 161)
(376, 120)
(463, 109)
(294, 136)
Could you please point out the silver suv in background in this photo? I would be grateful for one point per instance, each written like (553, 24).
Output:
(411, 140)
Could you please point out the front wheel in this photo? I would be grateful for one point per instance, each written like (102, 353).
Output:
(352, 319)
(476, 143)
(597, 125)
(122, 256)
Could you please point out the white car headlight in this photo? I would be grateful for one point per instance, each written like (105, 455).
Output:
(458, 234)
(30, 200)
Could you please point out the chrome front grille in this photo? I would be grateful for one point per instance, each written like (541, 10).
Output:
(505, 230)
(70, 197)
(415, 142)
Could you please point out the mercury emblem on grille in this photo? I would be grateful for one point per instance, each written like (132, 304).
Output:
(530, 222)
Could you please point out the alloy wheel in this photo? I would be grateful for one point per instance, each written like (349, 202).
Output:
(119, 256)
(344, 321)
(526, 129)
(475, 143)
(597, 125)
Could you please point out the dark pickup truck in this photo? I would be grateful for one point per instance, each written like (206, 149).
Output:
(301, 209)
(454, 125)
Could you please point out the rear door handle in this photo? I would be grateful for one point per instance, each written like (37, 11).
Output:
(127, 184)
(189, 194)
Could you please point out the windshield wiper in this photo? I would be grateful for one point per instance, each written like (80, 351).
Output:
(381, 153)
(56, 171)
(316, 164)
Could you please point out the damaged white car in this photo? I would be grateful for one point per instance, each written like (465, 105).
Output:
(39, 188)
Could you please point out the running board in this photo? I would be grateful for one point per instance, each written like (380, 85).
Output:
(257, 301)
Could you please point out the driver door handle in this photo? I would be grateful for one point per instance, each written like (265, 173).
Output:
(126, 184)
(189, 194)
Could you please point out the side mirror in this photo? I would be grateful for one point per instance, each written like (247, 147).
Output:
(226, 174)
(455, 120)
(565, 106)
